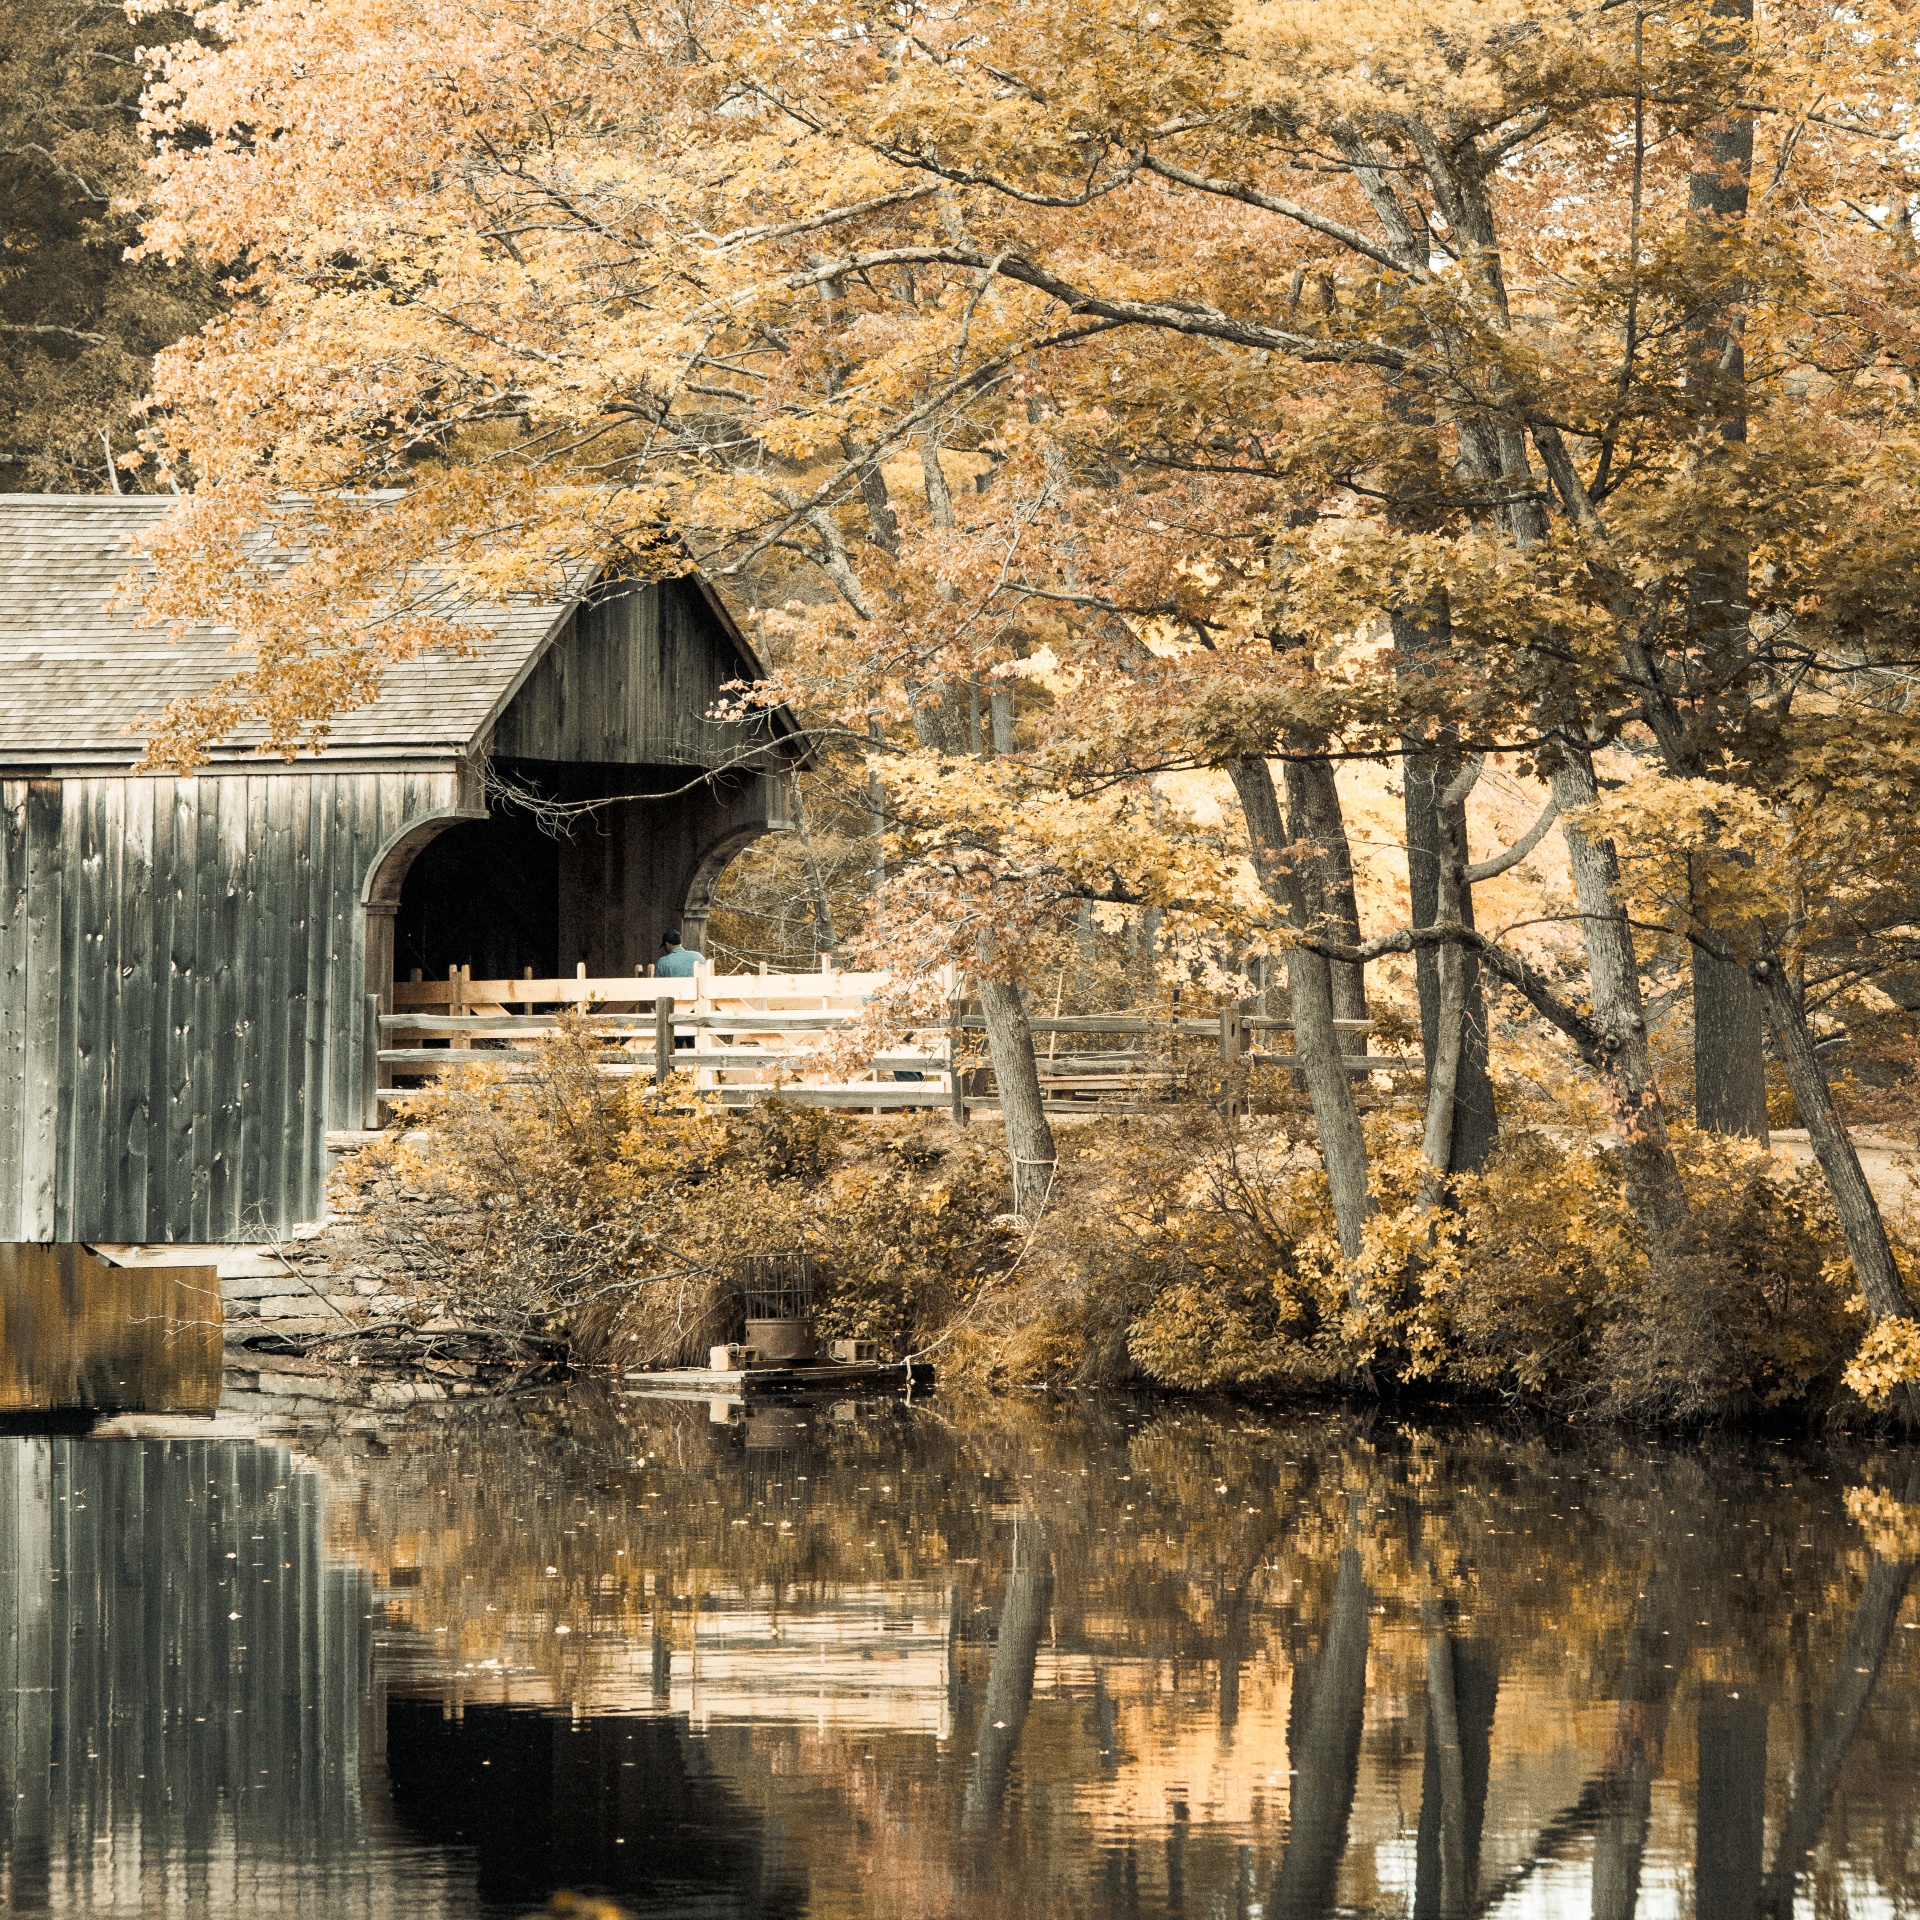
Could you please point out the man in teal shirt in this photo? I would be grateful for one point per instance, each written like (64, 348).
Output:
(677, 962)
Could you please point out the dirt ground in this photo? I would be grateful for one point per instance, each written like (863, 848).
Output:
(1892, 1168)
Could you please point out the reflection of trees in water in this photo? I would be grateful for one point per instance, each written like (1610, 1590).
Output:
(1016, 1652)
(1463, 1687)
(1330, 1713)
(1856, 1675)
(1136, 1594)
(1730, 1802)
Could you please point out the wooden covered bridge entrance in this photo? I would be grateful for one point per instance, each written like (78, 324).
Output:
(193, 969)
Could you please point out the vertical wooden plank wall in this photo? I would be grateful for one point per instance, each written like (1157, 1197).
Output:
(14, 1126)
(630, 682)
(45, 913)
(182, 995)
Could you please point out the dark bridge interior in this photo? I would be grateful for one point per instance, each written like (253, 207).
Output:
(598, 888)
(485, 894)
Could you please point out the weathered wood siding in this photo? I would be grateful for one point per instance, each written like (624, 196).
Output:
(182, 995)
(629, 682)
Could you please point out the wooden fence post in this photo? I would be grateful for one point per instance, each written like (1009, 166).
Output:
(373, 1076)
(956, 1080)
(663, 1040)
(1233, 1034)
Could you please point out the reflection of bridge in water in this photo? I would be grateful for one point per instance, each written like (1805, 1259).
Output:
(190, 1723)
(184, 1686)
(851, 1659)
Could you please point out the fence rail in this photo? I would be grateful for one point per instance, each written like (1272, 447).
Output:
(748, 1036)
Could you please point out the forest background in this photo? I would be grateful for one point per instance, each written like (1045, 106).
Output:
(1407, 511)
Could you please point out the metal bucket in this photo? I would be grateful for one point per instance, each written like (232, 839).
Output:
(780, 1343)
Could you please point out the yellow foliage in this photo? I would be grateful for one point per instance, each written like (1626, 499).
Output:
(1887, 1358)
(616, 1212)
(1536, 1281)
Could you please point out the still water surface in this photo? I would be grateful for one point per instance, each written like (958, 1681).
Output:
(960, 1661)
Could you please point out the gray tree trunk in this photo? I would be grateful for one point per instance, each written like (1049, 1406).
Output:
(1000, 711)
(1343, 1147)
(1313, 799)
(940, 715)
(1443, 1074)
(1473, 1127)
(876, 814)
(1729, 1065)
(1030, 1148)
(1861, 1225)
(1029, 1133)
(1653, 1176)
(825, 940)
(1729, 1062)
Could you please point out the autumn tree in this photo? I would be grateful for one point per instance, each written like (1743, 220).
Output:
(79, 324)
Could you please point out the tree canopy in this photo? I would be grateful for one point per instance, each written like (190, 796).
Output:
(79, 324)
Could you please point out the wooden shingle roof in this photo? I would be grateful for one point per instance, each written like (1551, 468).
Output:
(75, 671)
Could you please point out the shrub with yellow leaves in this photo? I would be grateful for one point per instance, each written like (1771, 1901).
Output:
(615, 1213)
(1534, 1283)
(1887, 1359)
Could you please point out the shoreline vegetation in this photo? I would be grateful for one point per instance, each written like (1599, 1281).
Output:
(1195, 1252)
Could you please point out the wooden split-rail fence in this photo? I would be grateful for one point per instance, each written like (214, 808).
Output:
(747, 1036)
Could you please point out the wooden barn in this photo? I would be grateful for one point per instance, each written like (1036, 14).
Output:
(192, 968)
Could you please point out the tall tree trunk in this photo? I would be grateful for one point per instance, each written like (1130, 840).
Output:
(876, 814)
(1326, 1760)
(1653, 1177)
(1000, 711)
(1472, 1127)
(1729, 1066)
(1029, 1133)
(1313, 799)
(1729, 1062)
(940, 714)
(1343, 1148)
(1436, 1144)
(1861, 1224)
(825, 940)
(1453, 905)
(1030, 1148)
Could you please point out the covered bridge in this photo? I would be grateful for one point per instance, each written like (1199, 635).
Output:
(192, 967)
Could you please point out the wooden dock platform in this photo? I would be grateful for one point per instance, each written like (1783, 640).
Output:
(822, 1376)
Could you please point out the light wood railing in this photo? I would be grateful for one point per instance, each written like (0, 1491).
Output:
(747, 1036)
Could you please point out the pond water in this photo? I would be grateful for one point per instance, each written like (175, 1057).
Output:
(962, 1660)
